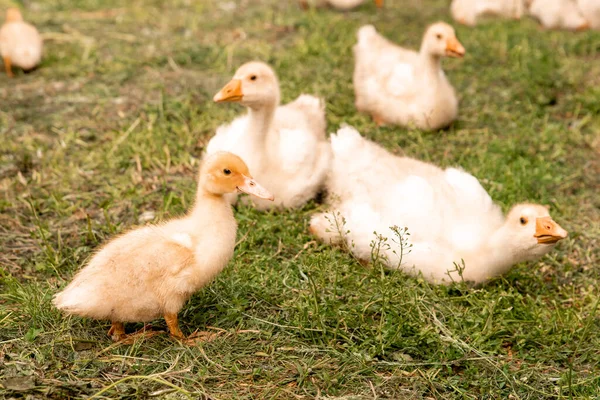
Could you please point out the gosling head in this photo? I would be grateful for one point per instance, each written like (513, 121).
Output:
(532, 231)
(224, 172)
(253, 85)
(440, 40)
(13, 15)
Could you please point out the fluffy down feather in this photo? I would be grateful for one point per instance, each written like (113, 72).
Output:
(402, 87)
(558, 14)
(152, 271)
(590, 9)
(20, 42)
(448, 214)
(467, 12)
(284, 146)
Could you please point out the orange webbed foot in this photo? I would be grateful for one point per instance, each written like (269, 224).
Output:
(194, 338)
(117, 333)
(144, 333)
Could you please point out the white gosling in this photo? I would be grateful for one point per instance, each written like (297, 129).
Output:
(402, 87)
(448, 214)
(285, 147)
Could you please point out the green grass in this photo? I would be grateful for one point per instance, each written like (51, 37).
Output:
(114, 122)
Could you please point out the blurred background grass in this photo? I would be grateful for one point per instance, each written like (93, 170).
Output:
(108, 133)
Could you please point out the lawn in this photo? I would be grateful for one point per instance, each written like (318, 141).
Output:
(107, 134)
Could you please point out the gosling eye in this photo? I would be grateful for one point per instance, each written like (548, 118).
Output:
(253, 77)
(227, 171)
(439, 36)
(523, 221)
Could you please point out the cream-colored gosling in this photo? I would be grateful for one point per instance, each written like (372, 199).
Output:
(152, 271)
(20, 43)
(402, 87)
(449, 216)
(285, 147)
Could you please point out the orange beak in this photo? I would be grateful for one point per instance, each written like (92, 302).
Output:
(454, 48)
(548, 232)
(230, 92)
(379, 3)
(249, 186)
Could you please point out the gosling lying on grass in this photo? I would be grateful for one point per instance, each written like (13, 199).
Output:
(399, 86)
(449, 217)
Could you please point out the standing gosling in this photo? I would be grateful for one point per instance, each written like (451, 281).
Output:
(152, 271)
(20, 43)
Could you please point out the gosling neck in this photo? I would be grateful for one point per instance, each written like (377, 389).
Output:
(208, 203)
(260, 120)
(430, 61)
(495, 258)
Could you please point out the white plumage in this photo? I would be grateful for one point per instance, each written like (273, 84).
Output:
(284, 146)
(558, 14)
(403, 87)
(590, 9)
(468, 11)
(449, 215)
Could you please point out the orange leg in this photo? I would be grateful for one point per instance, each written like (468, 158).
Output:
(583, 27)
(379, 3)
(117, 331)
(173, 325)
(8, 66)
(377, 119)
